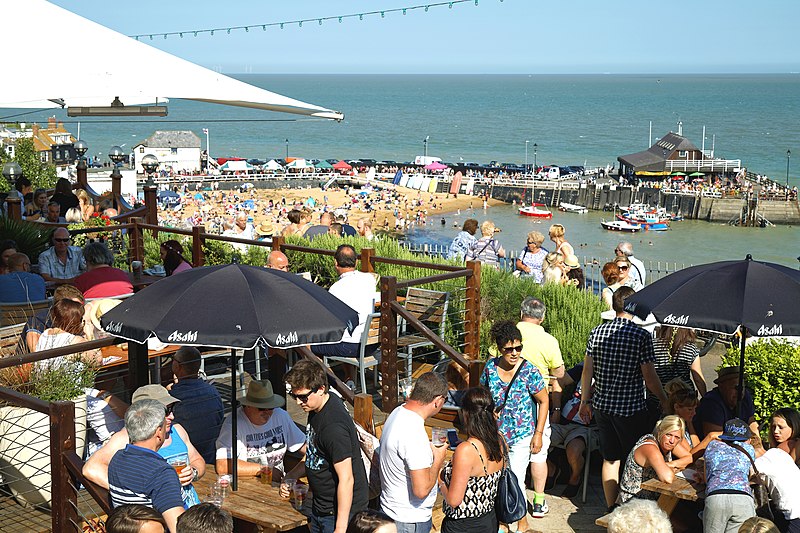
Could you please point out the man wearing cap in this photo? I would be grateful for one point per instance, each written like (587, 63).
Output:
(261, 424)
(200, 410)
(719, 404)
(176, 442)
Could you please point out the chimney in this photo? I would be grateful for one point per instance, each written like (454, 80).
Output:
(35, 130)
(51, 123)
(60, 126)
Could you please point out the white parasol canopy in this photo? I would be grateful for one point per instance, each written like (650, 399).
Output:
(105, 71)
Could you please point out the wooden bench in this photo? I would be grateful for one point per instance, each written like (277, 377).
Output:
(10, 338)
(430, 308)
(20, 312)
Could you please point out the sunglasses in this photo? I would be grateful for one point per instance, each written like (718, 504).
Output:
(169, 409)
(622, 267)
(534, 243)
(62, 240)
(303, 398)
(512, 349)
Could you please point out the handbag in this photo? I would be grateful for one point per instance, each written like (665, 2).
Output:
(760, 490)
(510, 504)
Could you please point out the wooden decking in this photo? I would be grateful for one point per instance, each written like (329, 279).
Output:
(14, 518)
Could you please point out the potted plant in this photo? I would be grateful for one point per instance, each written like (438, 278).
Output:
(25, 433)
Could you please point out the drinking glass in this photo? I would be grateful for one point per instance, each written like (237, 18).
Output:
(267, 464)
(216, 494)
(439, 436)
(406, 384)
(288, 484)
(299, 493)
(179, 462)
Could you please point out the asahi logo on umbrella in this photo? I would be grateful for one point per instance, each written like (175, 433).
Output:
(286, 339)
(764, 331)
(177, 336)
(114, 327)
(677, 320)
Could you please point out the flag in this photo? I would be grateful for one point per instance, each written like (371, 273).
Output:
(205, 131)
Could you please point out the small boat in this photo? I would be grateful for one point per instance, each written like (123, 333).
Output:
(620, 225)
(572, 208)
(536, 210)
(647, 221)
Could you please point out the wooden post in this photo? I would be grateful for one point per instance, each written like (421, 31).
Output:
(14, 203)
(277, 242)
(198, 259)
(366, 255)
(136, 240)
(80, 169)
(472, 312)
(362, 412)
(116, 187)
(388, 344)
(138, 362)
(62, 438)
(151, 202)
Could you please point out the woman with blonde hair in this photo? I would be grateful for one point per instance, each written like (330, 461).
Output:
(557, 232)
(85, 204)
(531, 260)
(648, 459)
(486, 250)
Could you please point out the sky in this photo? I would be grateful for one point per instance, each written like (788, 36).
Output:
(494, 36)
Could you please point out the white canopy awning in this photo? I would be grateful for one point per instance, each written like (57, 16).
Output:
(273, 165)
(105, 69)
(236, 166)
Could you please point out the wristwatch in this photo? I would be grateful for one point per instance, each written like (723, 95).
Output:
(195, 474)
(556, 408)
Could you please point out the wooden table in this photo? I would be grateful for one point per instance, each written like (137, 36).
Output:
(254, 503)
(118, 351)
(671, 493)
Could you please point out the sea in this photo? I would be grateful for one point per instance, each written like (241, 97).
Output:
(585, 120)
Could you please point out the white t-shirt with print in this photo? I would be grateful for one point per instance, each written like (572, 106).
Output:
(783, 481)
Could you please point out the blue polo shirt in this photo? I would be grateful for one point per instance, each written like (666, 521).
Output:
(21, 287)
(137, 475)
(200, 412)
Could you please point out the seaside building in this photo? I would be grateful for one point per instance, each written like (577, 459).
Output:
(674, 153)
(54, 143)
(176, 150)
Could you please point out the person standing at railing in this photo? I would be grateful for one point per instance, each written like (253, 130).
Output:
(464, 240)
(637, 274)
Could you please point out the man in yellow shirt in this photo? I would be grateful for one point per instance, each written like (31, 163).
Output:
(542, 350)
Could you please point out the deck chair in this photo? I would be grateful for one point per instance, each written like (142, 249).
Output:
(369, 343)
(11, 339)
(430, 308)
(20, 312)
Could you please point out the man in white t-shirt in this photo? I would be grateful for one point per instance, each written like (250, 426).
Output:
(782, 477)
(409, 463)
(261, 424)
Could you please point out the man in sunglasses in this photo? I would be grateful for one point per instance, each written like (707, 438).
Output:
(261, 424)
(176, 442)
(61, 263)
(333, 462)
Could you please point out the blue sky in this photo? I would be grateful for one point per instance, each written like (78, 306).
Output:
(512, 36)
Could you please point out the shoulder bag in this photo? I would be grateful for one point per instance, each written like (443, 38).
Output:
(760, 490)
(510, 504)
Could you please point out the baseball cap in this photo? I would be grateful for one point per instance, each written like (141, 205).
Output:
(154, 392)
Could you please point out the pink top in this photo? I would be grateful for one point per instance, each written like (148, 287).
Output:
(105, 282)
(183, 267)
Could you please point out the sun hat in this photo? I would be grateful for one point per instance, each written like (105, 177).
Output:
(99, 308)
(723, 374)
(571, 261)
(154, 392)
(735, 430)
(260, 395)
(265, 228)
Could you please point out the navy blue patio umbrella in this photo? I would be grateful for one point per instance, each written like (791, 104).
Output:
(754, 298)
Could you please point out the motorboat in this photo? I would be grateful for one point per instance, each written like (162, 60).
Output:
(647, 221)
(620, 225)
(572, 208)
(535, 210)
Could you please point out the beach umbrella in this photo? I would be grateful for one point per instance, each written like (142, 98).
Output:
(435, 166)
(752, 297)
(341, 165)
(232, 306)
(696, 174)
(677, 174)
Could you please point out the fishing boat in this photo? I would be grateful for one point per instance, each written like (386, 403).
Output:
(535, 210)
(572, 208)
(620, 225)
(647, 221)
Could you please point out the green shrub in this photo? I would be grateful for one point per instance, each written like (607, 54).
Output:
(31, 238)
(771, 372)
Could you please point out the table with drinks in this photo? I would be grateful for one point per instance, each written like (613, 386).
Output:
(257, 500)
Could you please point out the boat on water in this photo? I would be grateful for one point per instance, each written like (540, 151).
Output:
(536, 210)
(647, 221)
(620, 225)
(572, 208)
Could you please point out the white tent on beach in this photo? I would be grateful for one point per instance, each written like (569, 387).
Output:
(111, 66)
(236, 166)
(272, 165)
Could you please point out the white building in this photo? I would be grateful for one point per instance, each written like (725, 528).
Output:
(176, 151)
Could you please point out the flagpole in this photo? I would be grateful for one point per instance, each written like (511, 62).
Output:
(208, 144)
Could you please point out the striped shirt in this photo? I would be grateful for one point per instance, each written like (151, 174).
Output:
(137, 475)
(618, 350)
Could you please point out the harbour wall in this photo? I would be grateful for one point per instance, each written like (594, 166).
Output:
(606, 197)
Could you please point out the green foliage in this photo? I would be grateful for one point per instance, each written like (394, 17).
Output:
(31, 238)
(48, 381)
(771, 372)
(42, 175)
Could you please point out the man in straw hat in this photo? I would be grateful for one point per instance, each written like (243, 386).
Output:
(264, 231)
(719, 404)
(261, 424)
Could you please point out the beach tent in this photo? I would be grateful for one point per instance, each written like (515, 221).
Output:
(272, 165)
(236, 166)
(435, 166)
(697, 174)
(323, 165)
(111, 66)
(298, 163)
(341, 165)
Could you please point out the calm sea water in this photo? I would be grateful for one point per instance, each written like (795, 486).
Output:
(580, 119)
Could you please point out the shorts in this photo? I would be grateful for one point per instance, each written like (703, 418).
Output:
(618, 434)
(541, 457)
(563, 434)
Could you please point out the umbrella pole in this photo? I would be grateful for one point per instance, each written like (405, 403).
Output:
(740, 386)
(234, 429)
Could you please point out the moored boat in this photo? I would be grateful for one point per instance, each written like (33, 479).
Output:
(620, 225)
(647, 221)
(572, 208)
(536, 210)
